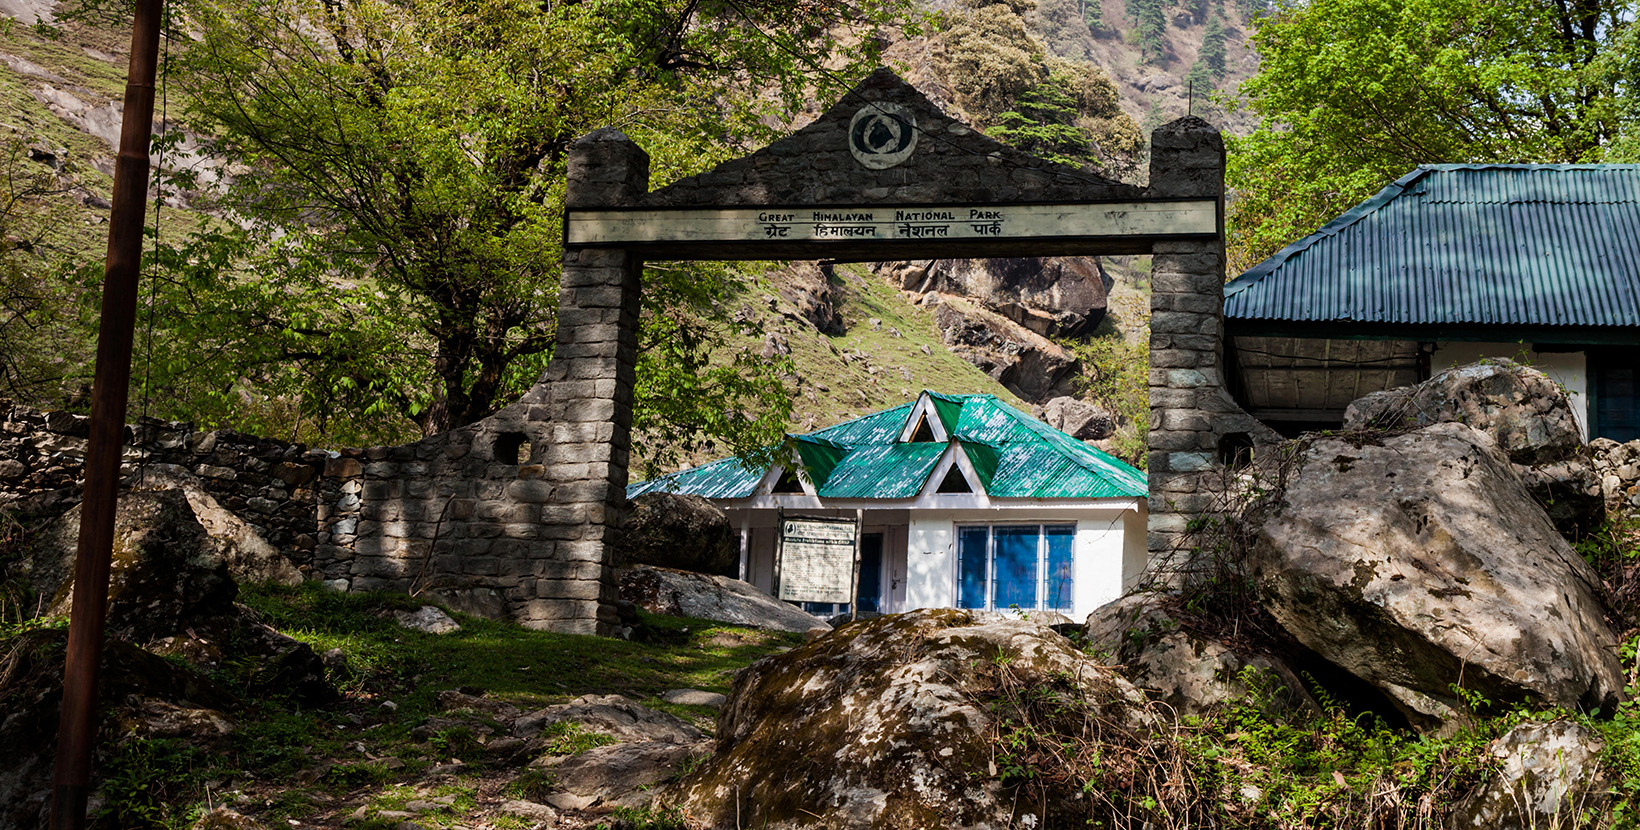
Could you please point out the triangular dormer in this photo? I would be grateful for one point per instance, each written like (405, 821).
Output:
(931, 420)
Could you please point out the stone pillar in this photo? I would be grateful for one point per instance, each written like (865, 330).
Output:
(589, 406)
(1190, 408)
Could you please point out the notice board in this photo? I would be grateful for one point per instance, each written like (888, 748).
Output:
(817, 559)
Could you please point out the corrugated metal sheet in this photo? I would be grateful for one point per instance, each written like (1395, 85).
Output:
(1016, 456)
(886, 471)
(725, 479)
(1542, 245)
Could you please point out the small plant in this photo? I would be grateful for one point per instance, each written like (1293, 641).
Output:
(647, 818)
(571, 738)
(531, 785)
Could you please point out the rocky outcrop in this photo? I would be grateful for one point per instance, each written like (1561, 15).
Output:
(1189, 672)
(685, 532)
(1051, 296)
(167, 573)
(1028, 364)
(806, 289)
(1618, 468)
(1420, 561)
(1526, 413)
(249, 556)
(1079, 419)
(719, 598)
(885, 724)
(1550, 776)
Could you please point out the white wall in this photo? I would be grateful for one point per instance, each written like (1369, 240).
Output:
(1109, 551)
(1569, 369)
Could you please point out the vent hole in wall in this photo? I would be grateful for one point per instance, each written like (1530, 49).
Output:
(512, 448)
(1236, 450)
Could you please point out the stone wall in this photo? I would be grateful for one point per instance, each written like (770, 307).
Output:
(1196, 428)
(272, 485)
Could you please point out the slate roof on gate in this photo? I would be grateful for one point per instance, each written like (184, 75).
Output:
(1014, 454)
(1507, 244)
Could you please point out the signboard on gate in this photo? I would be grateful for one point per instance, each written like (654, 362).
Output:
(817, 559)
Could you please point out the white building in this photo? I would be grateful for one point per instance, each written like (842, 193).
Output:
(966, 503)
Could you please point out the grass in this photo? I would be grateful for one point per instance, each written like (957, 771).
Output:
(285, 763)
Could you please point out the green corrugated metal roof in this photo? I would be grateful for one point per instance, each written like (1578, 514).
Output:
(1014, 454)
(1457, 244)
(883, 471)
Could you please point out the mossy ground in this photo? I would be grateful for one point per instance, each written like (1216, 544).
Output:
(343, 763)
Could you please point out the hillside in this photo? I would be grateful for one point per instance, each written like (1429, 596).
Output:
(59, 101)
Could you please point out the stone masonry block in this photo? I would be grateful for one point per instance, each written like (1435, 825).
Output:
(570, 589)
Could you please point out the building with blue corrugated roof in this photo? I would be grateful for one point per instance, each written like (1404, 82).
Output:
(967, 503)
(1450, 264)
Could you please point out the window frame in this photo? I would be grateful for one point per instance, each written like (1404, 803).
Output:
(1043, 561)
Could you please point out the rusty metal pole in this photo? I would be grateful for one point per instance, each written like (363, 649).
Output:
(77, 731)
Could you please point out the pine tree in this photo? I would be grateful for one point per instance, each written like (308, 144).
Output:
(1200, 81)
(1212, 52)
(1149, 25)
(1093, 13)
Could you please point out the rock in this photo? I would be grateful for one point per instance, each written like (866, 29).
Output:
(530, 810)
(501, 710)
(695, 697)
(1551, 777)
(1421, 561)
(1030, 365)
(612, 715)
(223, 818)
(806, 286)
(1618, 468)
(719, 598)
(250, 558)
(679, 531)
(1079, 419)
(1051, 296)
(428, 619)
(1188, 672)
(620, 775)
(886, 724)
(1528, 415)
(167, 572)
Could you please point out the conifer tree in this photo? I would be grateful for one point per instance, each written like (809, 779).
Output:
(1149, 25)
(1093, 13)
(1212, 53)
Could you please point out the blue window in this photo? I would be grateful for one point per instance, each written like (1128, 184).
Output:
(1028, 567)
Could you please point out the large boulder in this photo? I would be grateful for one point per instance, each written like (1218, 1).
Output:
(1184, 669)
(1051, 296)
(1526, 413)
(1028, 364)
(167, 572)
(806, 289)
(673, 530)
(1420, 561)
(1549, 776)
(251, 559)
(888, 723)
(676, 593)
(1078, 418)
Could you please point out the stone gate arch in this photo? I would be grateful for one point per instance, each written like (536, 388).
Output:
(514, 515)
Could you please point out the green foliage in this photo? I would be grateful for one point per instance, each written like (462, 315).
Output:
(646, 818)
(40, 351)
(1355, 93)
(532, 784)
(991, 58)
(1200, 81)
(571, 738)
(1043, 123)
(1149, 19)
(143, 782)
(1093, 14)
(1115, 376)
(389, 259)
(1212, 51)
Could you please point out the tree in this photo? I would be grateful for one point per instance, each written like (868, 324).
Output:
(1355, 93)
(1093, 14)
(1212, 52)
(393, 250)
(1149, 25)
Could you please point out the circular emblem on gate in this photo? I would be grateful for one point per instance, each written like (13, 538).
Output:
(882, 135)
